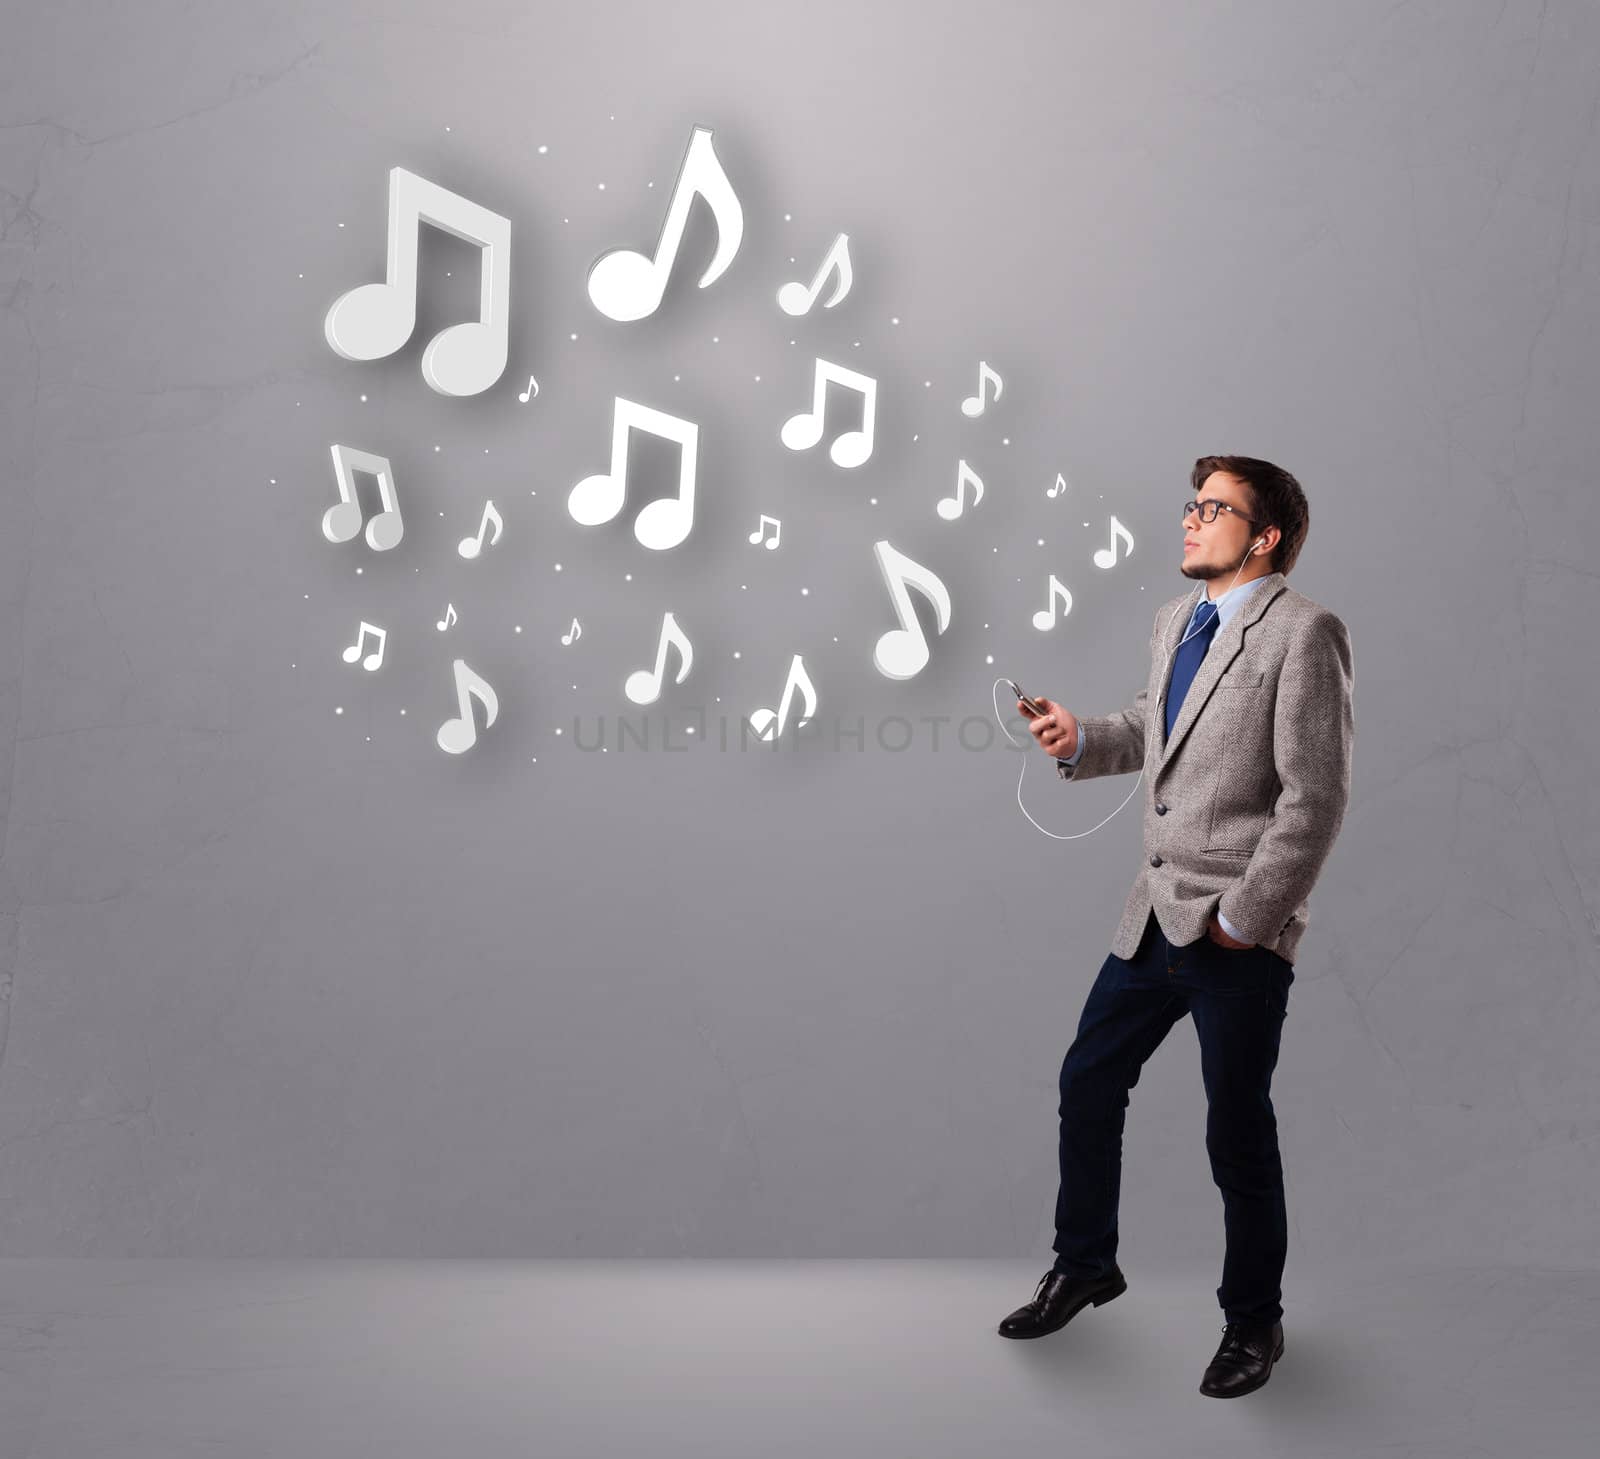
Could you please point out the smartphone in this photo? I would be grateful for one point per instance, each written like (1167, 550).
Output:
(1031, 707)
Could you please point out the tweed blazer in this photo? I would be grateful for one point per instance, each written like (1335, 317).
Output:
(1244, 801)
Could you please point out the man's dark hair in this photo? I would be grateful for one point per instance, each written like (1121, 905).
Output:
(1276, 501)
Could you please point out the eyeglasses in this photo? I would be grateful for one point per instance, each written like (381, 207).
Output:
(1210, 506)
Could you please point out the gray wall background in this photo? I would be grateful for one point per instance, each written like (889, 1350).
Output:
(276, 980)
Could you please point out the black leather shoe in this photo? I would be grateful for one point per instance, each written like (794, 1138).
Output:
(1058, 1299)
(1244, 1360)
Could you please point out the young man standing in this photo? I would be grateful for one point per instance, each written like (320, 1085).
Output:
(1244, 729)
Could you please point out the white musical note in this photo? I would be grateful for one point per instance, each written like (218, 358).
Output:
(973, 404)
(1045, 618)
(374, 320)
(459, 734)
(573, 634)
(342, 521)
(372, 660)
(766, 724)
(801, 432)
(1107, 556)
(1058, 488)
(625, 285)
(795, 298)
(950, 507)
(533, 389)
(470, 547)
(643, 686)
(902, 652)
(761, 531)
(660, 524)
(448, 619)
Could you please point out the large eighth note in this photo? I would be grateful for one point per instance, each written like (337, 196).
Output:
(460, 734)
(660, 524)
(801, 432)
(374, 320)
(902, 653)
(643, 686)
(1107, 556)
(625, 285)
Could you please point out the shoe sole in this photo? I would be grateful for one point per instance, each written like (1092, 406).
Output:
(1240, 1392)
(1100, 1300)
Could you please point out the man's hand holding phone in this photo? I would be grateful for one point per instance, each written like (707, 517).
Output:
(1053, 726)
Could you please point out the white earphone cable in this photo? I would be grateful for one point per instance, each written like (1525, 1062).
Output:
(1161, 679)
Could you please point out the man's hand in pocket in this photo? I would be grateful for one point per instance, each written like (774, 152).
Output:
(1216, 934)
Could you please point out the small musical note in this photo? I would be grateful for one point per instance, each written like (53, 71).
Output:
(795, 298)
(342, 521)
(643, 686)
(761, 531)
(1045, 618)
(902, 652)
(1107, 556)
(1058, 488)
(950, 507)
(625, 285)
(573, 634)
(372, 660)
(448, 619)
(973, 405)
(470, 547)
(800, 432)
(533, 389)
(374, 320)
(660, 524)
(769, 726)
(459, 734)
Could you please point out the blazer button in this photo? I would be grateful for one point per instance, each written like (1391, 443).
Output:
(1155, 861)
(1161, 810)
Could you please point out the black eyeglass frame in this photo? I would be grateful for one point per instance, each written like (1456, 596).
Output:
(1211, 501)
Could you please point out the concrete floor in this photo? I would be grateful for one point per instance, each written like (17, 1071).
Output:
(167, 1359)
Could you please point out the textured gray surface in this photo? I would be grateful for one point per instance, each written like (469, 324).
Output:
(172, 1359)
(278, 988)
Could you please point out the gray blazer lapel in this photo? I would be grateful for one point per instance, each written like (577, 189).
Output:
(1224, 649)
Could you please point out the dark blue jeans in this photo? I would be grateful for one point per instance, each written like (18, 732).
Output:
(1239, 999)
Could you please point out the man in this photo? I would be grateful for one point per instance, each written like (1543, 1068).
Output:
(1248, 754)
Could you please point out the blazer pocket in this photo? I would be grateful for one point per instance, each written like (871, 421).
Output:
(1234, 680)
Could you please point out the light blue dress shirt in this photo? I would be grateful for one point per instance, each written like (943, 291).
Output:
(1227, 604)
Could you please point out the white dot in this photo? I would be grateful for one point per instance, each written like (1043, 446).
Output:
(341, 225)
(359, 571)
(691, 729)
(340, 708)
(858, 344)
(1041, 542)
(602, 187)
(272, 480)
(447, 129)
(677, 377)
(927, 383)
(558, 567)
(566, 220)
(363, 397)
(988, 658)
(713, 339)
(758, 379)
(913, 437)
(292, 666)
(574, 336)
(519, 628)
(308, 597)
(435, 448)
(787, 218)
(558, 731)
(873, 500)
(402, 711)
(543, 147)
(302, 276)
(736, 653)
(804, 592)
(1005, 440)
(627, 577)
(894, 321)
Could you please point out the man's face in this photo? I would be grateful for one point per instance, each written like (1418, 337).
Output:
(1219, 546)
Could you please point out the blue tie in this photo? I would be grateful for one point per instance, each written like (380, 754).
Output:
(1202, 629)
